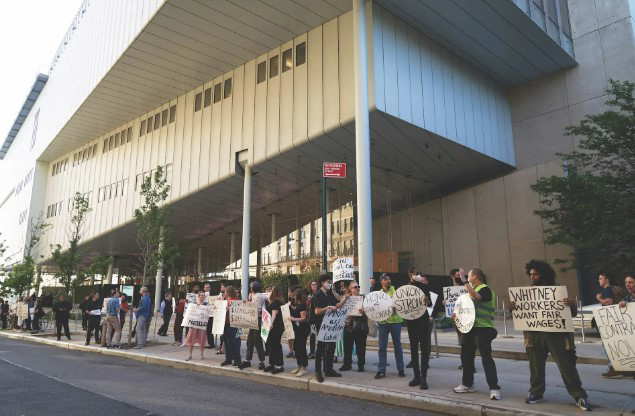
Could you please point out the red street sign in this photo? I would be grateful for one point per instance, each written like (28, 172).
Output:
(334, 170)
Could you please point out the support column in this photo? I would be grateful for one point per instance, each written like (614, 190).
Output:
(312, 239)
(199, 263)
(232, 248)
(246, 232)
(159, 278)
(109, 272)
(274, 234)
(362, 148)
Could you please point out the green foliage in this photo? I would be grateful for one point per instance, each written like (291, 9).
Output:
(592, 207)
(20, 278)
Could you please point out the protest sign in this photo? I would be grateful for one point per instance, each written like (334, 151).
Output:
(465, 314)
(540, 308)
(196, 316)
(343, 269)
(265, 328)
(190, 298)
(22, 311)
(433, 302)
(450, 295)
(356, 304)
(219, 314)
(286, 320)
(410, 302)
(378, 306)
(243, 315)
(617, 329)
(333, 324)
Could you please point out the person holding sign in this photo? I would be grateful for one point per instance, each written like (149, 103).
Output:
(231, 334)
(480, 336)
(560, 344)
(629, 283)
(300, 320)
(355, 332)
(196, 335)
(391, 326)
(254, 340)
(419, 331)
(273, 344)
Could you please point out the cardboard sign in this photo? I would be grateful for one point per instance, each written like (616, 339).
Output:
(343, 269)
(410, 302)
(617, 329)
(196, 317)
(265, 328)
(378, 306)
(332, 327)
(243, 315)
(356, 305)
(286, 320)
(540, 308)
(219, 314)
(450, 295)
(433, 301)
(465, 314)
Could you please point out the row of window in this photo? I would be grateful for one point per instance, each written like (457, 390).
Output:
(117, 139)
(347, 226)
(59, 167)
(287, 63)
(205, 98)
(167, 174)
(160, 119)
(85, 154)
(24, 182)
(112, 190)
(54, 210)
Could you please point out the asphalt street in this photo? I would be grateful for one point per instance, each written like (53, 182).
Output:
(40, 380)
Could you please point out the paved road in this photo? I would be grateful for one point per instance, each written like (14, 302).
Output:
(38, 380)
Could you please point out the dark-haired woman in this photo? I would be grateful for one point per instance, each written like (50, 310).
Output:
(355, 333)
(314, 286)
(274, 347)
(299, 317)
(232, 339)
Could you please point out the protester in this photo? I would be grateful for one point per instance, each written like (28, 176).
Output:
(301, 329)
(62, 309)
(211, 338)
(231, 334)
(419, 331)
(254, 340)
(35, 312)
(166, 314)
(480, 336)
(355, 334)
(629, 284)
(144, 315)
(314, 286)
(123, 310)
(390, 326)
(178, 329)
(273, 345)
(93, 315)
(290, 342)
(113, 327)
(4, 313)
(561, 345)
(195, 335)
(83, 306)
(221, 296)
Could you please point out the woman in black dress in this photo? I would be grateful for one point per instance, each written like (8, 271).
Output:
(301, 329)
(274, 347)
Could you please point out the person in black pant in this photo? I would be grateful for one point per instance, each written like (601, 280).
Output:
(299, 318)
(93, 312)
(274, 347)
(314, 286)
(167, 314)
(211, 338)
(4, 313)
(419, 331)
(254, 340)
(82, 307)
(178, 320)
(62, 309)
(355, 333)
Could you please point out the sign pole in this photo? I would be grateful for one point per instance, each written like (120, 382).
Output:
(325, 267)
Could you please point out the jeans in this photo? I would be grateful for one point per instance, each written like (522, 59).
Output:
(324, 354)
(254, 340)
(62, 323)
(93, 322)
(232, 345)
(112, 326)
(178, 329)
(143, 324)
(299, 347)
(163, 330)
(419, 332)
(480, 338)
(395, 333)
(357, 338)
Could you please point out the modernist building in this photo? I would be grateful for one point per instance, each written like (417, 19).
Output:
(467, 103)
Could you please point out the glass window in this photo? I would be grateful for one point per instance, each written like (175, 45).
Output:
(149, 125)
(157, 120)
(142, 130)
(208, 97)
(300, 54)
(164, 117)
(172, 114)
(287, 60)
(217, 92)
(129, 135)
(198, 99)
(227, 89)
(262, 72)
(274, 63)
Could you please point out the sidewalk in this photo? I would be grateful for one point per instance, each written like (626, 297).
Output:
(609, 397)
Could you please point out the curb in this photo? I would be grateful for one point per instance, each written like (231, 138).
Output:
(427, 402)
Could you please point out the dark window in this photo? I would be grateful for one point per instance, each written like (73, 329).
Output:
(95, 145)
(262, 72)
(287, 60)
(227, 90)
(300, 54)
(172, 114)
(198, 99)
(142, 130)
(123, 137)
(129, 135)
(208, 97)
(217, 92)
(116, 139)
(274, 63)
(149, 125)
(111, 142)
(157, 120)
(105, 149)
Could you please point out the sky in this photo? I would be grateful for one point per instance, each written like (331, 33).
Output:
(31, 31)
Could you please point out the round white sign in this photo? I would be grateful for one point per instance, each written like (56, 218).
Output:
(465, 314)
(410, 302)
(378, 306)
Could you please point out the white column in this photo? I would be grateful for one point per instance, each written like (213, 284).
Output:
(274, 233)
(159, 278)
(232, 248)
(199, 263)
(246, 232)
(109, 272)
(362, 148)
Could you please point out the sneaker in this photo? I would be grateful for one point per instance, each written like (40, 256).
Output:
(261, 366)
(345, 367)
(611, 373)
(380, 374)
(225, 363)
(495, 395)
(277, 370)
(533, 399)
(268, 369)
(463, 389)
(583, 404)
(332, 373)
(301, 372)
(415, 382)
(294, 371)
(244, 365)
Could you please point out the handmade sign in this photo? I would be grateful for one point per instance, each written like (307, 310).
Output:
(265, 328)
(219, 314)
(450, 295)
(22, 310)
(433, 301)
(196, 316)
(333, 324)
(356, 305)
(378, 306)
(243, 315)
(617, 329)
(286, 320)
(343, 269)
(410, 302)
(540, 308)
(464, 313)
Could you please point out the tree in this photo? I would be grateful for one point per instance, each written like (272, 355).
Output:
(37, 228)
(68, 261)
(20, 278)
(99, 266)
(592, 207)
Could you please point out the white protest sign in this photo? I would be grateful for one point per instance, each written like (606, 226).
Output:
(450, 295)
(333, 324)
(219, 314)
(617, 329)
(286, 320)
(465, 314)
(343, 269)
(356, 304)
(243, 315)
(265, 328)
(540, 308)
(410, 302)
(378, 306)
(433, 301)
(196, 316)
